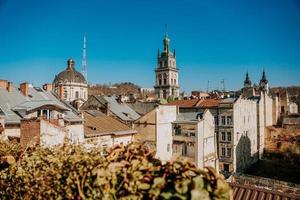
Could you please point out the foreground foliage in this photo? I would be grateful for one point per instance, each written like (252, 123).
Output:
(124, 172)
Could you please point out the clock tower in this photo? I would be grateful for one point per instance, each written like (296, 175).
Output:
(166, 73)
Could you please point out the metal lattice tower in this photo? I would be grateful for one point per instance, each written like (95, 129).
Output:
(84, 72)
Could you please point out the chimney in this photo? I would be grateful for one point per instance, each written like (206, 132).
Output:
(24, 88)
(3, 84)
(9, 86)
(47, 87)
(108, 109)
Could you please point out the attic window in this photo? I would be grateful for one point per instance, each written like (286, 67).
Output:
(126, 114)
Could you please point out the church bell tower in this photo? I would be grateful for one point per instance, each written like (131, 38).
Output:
(166, 73)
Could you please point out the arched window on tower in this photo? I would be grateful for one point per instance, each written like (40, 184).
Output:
(165, 79)
(159, 79)
(175, 82)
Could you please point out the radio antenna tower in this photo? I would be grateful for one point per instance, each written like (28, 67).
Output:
(223, 85)
(84, 72)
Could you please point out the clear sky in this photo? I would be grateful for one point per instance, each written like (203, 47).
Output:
(214, 40)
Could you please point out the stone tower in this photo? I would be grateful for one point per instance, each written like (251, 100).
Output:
(166, 73)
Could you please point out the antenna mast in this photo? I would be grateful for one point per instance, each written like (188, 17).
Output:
(223, 85)
(84, 72)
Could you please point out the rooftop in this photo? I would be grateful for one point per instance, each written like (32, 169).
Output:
(243, 192)
(98, 124)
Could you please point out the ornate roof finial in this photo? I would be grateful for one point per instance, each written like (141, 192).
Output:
(166, 42)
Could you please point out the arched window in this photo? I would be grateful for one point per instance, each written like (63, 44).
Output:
(76, 94)
(165, 78)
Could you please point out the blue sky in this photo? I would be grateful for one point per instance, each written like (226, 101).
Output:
(214, 40)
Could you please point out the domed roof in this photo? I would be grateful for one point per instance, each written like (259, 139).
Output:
(69, 75)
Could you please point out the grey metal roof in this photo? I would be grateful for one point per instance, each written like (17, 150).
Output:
(142, 107)
(14, 104)
(122, 110)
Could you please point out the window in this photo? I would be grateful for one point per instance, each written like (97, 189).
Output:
(165, 81)
(223, 120)
(168, 147)
(223, 151)
(228, 136)
(282, 109)
(223, 136)
(166, 63)
(229, 152)
(171, 81)
(76, 94)
(216, 120)
(229, 120)
(174, 81)
(159, 82)
(226, 167)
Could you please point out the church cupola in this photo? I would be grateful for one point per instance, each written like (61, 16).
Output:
(247, 82)
(70, 64)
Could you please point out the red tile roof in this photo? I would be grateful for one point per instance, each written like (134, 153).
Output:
(208, 103)
(243, 192)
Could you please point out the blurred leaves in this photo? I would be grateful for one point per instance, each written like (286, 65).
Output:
(124, 172)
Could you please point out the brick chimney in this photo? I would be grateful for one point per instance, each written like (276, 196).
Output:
(47, 87)
(24, 88)
(9, 86)
(3, 84)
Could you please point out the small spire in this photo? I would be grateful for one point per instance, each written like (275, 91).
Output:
(264, 77)
(158, 53)
(174, 53)
(166, 32)
(247, 82)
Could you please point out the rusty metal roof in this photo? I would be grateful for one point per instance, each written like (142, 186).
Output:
(245, 192)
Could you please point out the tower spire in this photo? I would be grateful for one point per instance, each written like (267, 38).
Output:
(166, 42)
(247, 82)
(84, 70)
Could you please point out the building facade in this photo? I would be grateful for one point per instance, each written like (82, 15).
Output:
(166, 73)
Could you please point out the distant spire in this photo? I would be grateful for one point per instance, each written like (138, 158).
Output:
(264, 77)
(84, 70)
(247, 82)
(174, 53)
